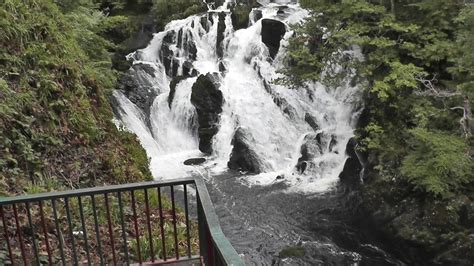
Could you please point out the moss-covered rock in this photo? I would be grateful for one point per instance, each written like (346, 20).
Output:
(241, 16)
(292, 251)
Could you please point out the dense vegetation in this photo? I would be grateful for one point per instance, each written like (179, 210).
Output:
(56, 120)
(59, 63)
(417, 71)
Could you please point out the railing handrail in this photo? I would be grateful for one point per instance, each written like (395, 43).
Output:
(206, 210)
(93, 191)
(221, 242)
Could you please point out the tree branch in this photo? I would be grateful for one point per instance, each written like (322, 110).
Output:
(432, 90)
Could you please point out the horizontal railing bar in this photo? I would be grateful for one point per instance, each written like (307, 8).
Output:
(171, 261)
(221, 243)
(93, 191)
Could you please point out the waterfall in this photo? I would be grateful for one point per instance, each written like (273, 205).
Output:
(293, 135)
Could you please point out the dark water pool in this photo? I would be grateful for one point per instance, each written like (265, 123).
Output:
(260, 222)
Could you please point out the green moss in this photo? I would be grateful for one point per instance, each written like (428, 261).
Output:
(240, 16)
(293, 251)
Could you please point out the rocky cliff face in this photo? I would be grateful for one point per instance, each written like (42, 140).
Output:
(137, 86)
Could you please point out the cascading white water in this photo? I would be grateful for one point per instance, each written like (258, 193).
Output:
(273, 117)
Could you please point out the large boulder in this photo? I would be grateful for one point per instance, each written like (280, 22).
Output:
(208, 100)
(272, 34)
(137, 86)
(353, 166)
(243, 158)
(312, 146)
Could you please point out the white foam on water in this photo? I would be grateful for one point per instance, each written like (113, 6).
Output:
(272, 116)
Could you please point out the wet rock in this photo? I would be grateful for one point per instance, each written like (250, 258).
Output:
(194, 161)
(186, 43)
(332, 143)
(188, 69)
(353, 166)
(301, 166)
(311, 147)
(280, 101)
(205, 23)
(243, 158)
(222, 67)
(312, 122)
(136, 85)
(166, 53)
(272, 33)
(208, 100)
(173, 85)
(257, 14)
(281, 10)
(220, 34)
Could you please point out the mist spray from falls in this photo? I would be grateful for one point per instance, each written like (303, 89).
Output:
(269, 132)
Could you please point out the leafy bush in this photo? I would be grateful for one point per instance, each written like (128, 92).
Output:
(168, 10)
(439, 163)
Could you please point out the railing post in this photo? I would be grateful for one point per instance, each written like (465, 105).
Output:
(203, 237)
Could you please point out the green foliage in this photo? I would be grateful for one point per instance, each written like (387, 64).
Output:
(401, 44)
(422, 168)
(439, 163)
(399, 77)
(167, 10)
(55, 118)
(463, 60)
(240, 16)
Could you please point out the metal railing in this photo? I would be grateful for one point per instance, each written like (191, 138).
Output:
(118, 225)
